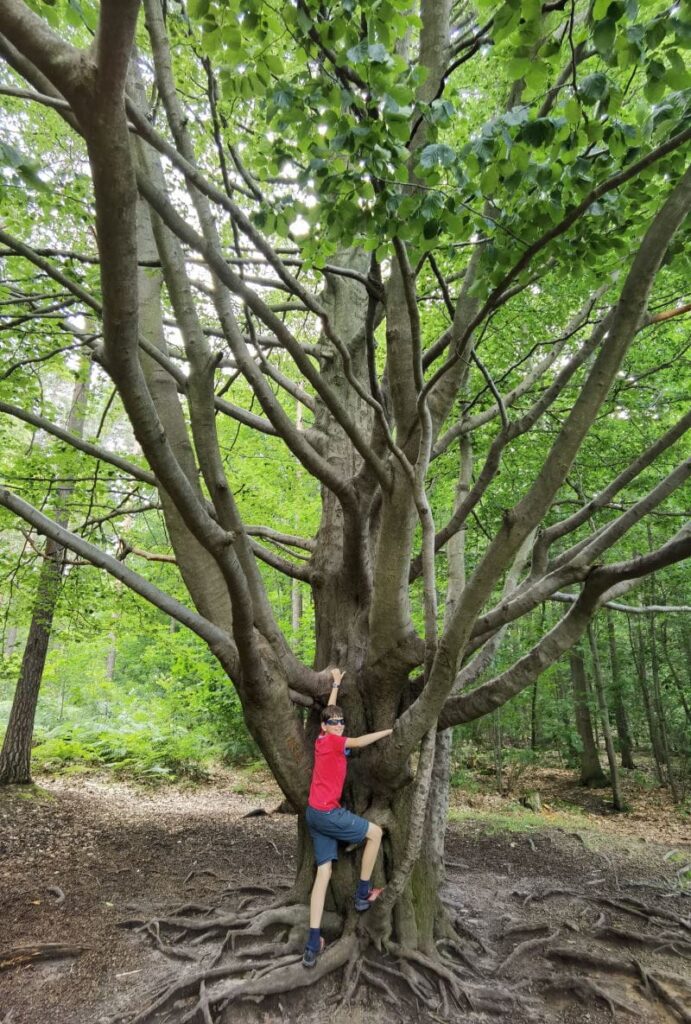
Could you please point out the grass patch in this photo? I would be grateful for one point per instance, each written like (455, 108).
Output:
(515, 818)
(26, 792)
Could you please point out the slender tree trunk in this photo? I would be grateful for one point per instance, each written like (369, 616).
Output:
(295, 591)
(15, 757)
(497, 744)
(563, 695)
(679, 685)
(533, 717)
(591, 770)
(110, 658)
(617, 801)
(639, 656)
(659, 707)
(623, 730)
(10, 641)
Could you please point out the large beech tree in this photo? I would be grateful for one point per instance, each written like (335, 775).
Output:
(354, 207)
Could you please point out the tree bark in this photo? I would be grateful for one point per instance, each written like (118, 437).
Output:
(660, 710)
(15, 756)
(640, 661)
(10, 641)
(621, 717)
(591, 770)
(617, 801)
(678, 682)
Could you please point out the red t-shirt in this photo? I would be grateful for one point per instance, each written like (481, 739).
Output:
(329, 772)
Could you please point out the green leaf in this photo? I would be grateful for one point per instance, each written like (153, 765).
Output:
(603, 36)
(489, 179)
(504, 21)
(654, 90)
(593, 88)
(538, 132)
(572, 110)
(655, 71)
(198, 8)
(537, 74)
(436, 155)
(364, 53)
(678, 75)
(517, 67)
(274, 63)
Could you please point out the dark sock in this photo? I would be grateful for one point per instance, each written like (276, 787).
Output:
(362, 891)
(314, 940)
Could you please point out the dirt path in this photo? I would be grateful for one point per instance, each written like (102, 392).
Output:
(110, 851)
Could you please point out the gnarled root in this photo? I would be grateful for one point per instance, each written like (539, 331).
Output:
(253, 954)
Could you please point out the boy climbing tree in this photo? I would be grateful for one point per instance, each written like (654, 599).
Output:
(329, 823)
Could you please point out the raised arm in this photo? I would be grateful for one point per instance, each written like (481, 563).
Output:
(369, 737)
(337, 677)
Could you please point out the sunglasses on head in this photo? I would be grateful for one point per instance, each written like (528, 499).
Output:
(335, 721)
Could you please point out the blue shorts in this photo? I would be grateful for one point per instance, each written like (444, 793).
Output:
(329, 828)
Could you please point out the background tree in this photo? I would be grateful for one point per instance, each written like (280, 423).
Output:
(442, 233)
(15, 755)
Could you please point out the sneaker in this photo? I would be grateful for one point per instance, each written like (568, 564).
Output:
(309, 956)
(364, 904)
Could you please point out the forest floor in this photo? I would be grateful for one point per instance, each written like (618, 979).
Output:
(79, 855)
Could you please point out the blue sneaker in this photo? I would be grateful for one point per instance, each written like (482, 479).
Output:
(309, 956)
(364, 903)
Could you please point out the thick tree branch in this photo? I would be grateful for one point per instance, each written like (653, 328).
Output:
(130, 468)
(630, 609)
(528, 512)
(564, 635)
(31, 35)
(219, 641)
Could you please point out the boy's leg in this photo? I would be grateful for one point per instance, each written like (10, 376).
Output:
(369, 854)
(315, 943)
(318, 897)
(365, 894)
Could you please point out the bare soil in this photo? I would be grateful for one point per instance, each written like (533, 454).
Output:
(574, 895)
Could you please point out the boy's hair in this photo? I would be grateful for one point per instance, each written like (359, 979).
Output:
(332, 711)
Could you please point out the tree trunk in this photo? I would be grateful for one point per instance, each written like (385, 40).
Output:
(617, 801)
(639, 657)
(534, 718)
(110, 657)
(591, 771)
(678, 683)
(497, 745)
(10, 641)
(573, 754)
(622, 720)
(15, 757)
(660, 710)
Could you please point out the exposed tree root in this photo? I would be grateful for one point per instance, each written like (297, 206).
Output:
(675, 942)
(588, 990)
(251, 954)
(20, 956)
(522, 949)
(626, 905)
(654, 983)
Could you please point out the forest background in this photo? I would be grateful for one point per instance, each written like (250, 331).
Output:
(345, 334)
(124, 686)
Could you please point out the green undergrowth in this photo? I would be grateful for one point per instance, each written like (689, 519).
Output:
(137, 753)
